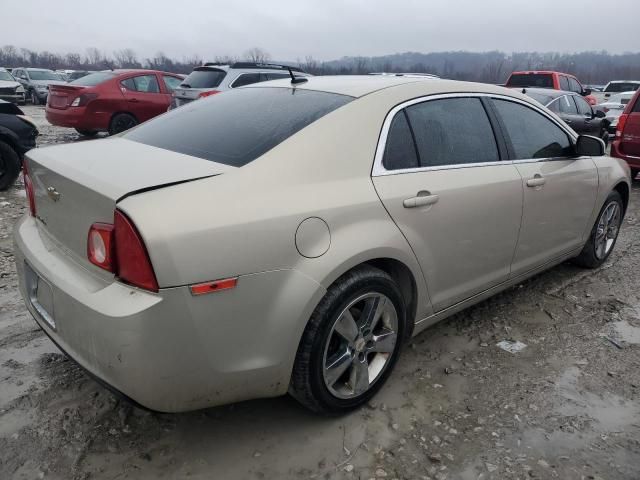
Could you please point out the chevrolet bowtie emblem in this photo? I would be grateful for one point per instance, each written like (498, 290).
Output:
(53, 194)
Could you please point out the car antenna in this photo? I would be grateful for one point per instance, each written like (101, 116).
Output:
(524, 90)
(295, 79)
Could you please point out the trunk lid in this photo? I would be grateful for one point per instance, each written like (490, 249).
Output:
(76, 185)
(61, 96)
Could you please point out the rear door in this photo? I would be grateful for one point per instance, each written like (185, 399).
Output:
(143, 96)
(439, 174)
(559, 189)
(568, 111)
(592, 124)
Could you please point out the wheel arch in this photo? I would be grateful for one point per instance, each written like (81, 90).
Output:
(623, 189)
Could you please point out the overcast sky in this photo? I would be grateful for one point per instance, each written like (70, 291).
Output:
(325, 29)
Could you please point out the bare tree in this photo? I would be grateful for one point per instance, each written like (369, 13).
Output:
(126, 58)
(257, 55)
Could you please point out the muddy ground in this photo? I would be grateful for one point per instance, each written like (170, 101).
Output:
(457, 406)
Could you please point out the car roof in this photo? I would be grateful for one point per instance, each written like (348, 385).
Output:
(545, 91)
(544, 72)
(361, 85)
(624, 81)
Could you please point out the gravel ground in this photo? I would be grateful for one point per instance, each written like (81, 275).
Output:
(457, 407)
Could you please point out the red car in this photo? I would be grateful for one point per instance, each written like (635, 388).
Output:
(111, 101)
(548, 79)
(627, 142)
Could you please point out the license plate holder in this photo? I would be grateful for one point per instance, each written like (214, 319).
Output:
(40, 295)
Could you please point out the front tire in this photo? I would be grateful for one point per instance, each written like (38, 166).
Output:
(604, 233)
(351, 342)
(87, 133)
(34, 98)
(9, 165)
(122, 122)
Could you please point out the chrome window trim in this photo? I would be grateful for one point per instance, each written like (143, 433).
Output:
(379, 169)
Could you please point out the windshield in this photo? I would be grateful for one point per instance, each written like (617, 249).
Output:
(204, 78)
(540, 80)
(6, 76)
(42, 75)
(238, 126)
(93, 79)
(622, 87)
(543, 99)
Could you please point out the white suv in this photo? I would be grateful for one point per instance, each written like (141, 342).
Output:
(212, 78)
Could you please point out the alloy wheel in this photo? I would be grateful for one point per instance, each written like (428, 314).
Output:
(360, 345)
(607, 230)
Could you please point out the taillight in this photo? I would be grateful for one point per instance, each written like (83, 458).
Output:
(622, 120)
(28, 187)
(83, 99)
(100, 246)
(134, 264)
(209, 93)
(119, 249)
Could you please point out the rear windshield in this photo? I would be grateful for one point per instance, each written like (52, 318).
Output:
(237, 126)
(43, 75)
(93, 79)
(621, 87)
(541, 80)
(204, 78)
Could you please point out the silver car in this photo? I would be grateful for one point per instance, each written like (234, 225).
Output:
(36, 82)
(290, 237)
(10, 89)
(212, 78)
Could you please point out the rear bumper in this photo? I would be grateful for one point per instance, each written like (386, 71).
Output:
(78, 117)
(169, 351)
(616, 151)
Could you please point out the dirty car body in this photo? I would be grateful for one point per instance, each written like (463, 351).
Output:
(245, 237)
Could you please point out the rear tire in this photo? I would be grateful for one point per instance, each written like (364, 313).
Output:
(9, 165)
(351, 342)
(87, 133)
(604, 233)
(122, 122)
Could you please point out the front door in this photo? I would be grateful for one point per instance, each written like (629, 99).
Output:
(441, 179)
(559, 189)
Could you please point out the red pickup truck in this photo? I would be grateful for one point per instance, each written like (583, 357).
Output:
(627, 142)
(549, 79)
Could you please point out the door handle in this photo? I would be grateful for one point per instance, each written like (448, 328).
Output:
(569, 122)
(536, 181)
(133, 100)
(423, 199)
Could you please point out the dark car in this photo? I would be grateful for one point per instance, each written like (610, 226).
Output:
(574, 110)
(627, 142)
(110, 101)
(17, 135)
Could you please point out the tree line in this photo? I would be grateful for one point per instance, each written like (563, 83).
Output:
(491, 67)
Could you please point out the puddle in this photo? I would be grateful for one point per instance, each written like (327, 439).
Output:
(610, 412)
(626, 332)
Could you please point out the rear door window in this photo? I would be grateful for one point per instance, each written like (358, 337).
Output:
(532, 135)
(567, 106)
(238, 126)
(400, 150)
(142, 83)
(204, 77)
(247, 79)
(452, 131)
(564, 83)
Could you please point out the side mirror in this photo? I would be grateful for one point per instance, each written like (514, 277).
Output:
(588, 146)
(586, 92)
(600, 114)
